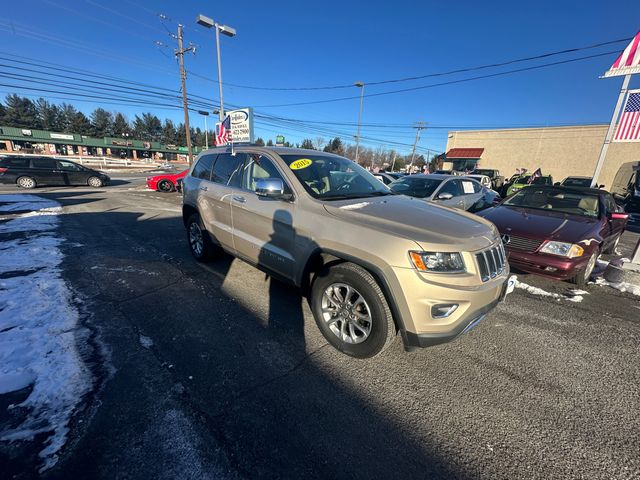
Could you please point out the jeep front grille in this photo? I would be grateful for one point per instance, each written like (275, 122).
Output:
(491, 262)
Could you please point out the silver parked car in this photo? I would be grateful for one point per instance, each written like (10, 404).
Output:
(451, 191)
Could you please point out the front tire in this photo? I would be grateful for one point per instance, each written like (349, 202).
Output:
(26, 182)
(582, 278)
(95, 182)
(200, 244)
(351, 311)
(165, 186)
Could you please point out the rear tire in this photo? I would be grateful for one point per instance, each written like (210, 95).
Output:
(166, 186)
(582, 278)
(26, 182)
(351, 311)
(201, 246)
(95, 182)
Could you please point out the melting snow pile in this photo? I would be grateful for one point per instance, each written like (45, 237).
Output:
(573, 295)
(38, 325)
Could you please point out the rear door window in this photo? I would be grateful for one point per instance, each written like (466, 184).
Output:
(202, 170)
(44, 163)
(228, 169)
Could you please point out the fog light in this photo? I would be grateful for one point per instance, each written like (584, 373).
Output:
(443, 310)
(550, 269)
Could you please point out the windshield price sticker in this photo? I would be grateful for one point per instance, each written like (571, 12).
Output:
(300, 164)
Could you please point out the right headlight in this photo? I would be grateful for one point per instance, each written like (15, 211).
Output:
(562, 249)
(438, 262)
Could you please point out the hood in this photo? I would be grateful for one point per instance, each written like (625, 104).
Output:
(433, 227)
(541, 224)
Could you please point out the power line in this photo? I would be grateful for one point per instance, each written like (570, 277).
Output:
(450, 82)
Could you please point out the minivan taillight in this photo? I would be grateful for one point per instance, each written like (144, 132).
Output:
(2, 169)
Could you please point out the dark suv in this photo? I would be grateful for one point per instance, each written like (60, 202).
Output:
(30, 172)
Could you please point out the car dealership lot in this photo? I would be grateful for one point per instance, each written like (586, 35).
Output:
(215, 371)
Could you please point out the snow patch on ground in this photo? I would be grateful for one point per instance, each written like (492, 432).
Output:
(622, 286)
(571, 295)
(38, 327)
(146, 342)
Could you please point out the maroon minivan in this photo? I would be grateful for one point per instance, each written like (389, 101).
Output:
(558, 231)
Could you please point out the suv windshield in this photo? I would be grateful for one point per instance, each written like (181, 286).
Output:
(556, 200)
(419, 187)
(331, 177)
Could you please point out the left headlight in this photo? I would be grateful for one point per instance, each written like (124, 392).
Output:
(438, 262)
(562, 249)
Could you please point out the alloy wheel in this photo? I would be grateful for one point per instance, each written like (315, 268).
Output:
(346, 313)
(196, 240)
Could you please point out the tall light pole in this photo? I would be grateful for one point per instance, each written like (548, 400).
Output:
(229, 32)
(361, 86)
(206, 128)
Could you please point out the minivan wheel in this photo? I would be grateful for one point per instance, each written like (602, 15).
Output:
(582, 278)
(26, 182)
(165, 186)
(351, 311)
(199, 242)
(95, 182)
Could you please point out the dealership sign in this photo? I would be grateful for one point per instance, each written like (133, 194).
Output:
(61, 136)
(241, 125)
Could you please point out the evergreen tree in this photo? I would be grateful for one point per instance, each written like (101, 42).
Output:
(335, 146)
(67, 118)
(3, 114)
(147, 127)
(259, 142)
(48, 115)
(120, 125)
(101, 123)
(20, 112)
(307, 144)
(80, 124)
(270, 143)
(169, 133)
(181, 135)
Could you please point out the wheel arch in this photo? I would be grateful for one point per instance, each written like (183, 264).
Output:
(320, 258)
(187, 211)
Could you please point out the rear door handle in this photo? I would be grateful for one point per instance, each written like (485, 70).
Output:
(204, 189)
(239, 199)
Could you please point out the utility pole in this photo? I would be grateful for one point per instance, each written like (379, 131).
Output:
(183, 79)
(419, 126)
(360, 85)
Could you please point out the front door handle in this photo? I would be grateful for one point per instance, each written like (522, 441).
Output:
(203, 188)
(239, 199)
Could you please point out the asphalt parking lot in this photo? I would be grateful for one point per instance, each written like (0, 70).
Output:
(215, 371)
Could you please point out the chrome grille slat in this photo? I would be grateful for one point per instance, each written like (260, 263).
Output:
(523, 243)
(491, 262)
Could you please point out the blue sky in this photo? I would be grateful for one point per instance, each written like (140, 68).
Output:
(309, 44)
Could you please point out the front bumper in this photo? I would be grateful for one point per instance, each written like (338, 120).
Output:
(420, 294)
(559, 268)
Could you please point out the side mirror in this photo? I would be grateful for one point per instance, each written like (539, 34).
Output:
(444, 196)
(601, 186)
(557, 183)
(269, 187)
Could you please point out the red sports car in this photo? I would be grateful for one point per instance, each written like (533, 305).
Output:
(165, 182)
(558, 231)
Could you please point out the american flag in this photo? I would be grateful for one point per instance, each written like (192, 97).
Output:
(223, 131)
(628, 62)
(534, 175)
(629, 125)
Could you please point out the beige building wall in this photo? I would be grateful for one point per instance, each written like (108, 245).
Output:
(558, 151)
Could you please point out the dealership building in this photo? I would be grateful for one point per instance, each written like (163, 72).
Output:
(557, 151)
(24, 140)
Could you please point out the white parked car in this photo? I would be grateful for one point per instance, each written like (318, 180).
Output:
(483, 179)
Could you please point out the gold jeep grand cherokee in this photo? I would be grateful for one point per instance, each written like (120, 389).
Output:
(371, 263)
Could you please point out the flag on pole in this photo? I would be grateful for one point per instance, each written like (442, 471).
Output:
(629, 60)
(534, 175)
(629, 125)
(223, 131)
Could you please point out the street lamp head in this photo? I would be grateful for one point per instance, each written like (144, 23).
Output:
(359, 84)
(203, 112)
(227, 30)
(205, 21)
